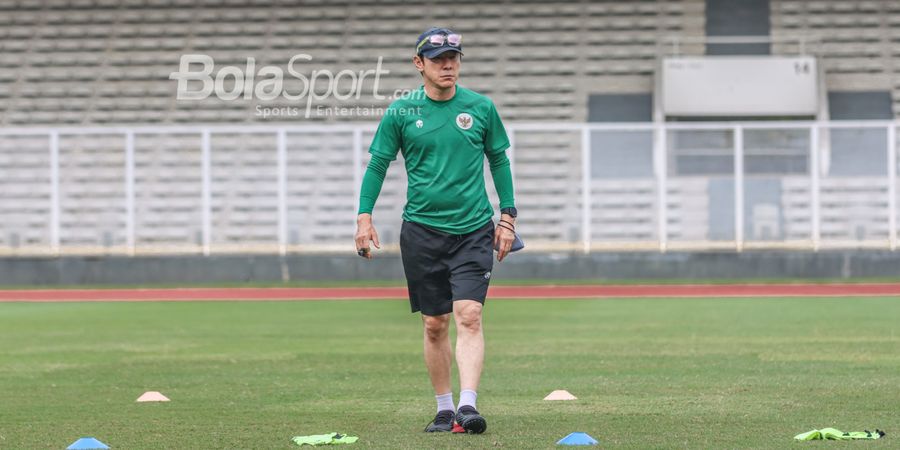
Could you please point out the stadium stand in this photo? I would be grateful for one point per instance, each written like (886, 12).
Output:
(321, 199)
(855, 41)
(106, 62)
(852, 208)
(116, 56)
(24, 191)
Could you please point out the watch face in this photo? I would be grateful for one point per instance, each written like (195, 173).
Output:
(511, 211)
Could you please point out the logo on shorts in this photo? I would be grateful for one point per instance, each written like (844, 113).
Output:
(487, 276)
(419, 123)
(464, 121)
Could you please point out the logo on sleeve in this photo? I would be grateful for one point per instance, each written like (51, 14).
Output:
(464, 121)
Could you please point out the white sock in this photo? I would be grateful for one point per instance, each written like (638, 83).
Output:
(467, 397)
(445, 402)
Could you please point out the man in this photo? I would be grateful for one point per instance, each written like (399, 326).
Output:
(446, 241)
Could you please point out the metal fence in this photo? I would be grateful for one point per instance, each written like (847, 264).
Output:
(583, 187)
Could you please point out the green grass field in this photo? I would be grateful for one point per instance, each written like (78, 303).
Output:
(649, 373)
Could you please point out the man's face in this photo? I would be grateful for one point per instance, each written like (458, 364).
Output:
(442, 70)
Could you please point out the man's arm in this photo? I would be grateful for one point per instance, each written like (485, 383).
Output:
(385, 145)
(368, 194)
(372, 182)
(504, 234)
(502, 176)
(495, 144)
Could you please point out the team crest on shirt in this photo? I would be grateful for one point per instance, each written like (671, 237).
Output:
(419, 123)
(464, 121)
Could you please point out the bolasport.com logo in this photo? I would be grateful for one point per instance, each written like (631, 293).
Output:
(198, 79)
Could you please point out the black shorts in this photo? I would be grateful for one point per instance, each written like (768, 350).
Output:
(441, 268)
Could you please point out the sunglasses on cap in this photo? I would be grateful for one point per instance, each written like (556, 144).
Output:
(438, 40)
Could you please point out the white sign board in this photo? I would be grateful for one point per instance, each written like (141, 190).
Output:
(739, 86)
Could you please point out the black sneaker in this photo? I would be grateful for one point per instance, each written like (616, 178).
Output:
(468, 418)
(443, 421)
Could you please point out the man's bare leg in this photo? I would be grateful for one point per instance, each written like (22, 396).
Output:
(438, 353)
(469, 343)
(438, 356)
(469, 360)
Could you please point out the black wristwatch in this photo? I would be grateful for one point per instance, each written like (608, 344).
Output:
(511, 211)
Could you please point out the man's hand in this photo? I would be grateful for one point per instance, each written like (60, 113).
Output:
(365, 232)
(504, 236)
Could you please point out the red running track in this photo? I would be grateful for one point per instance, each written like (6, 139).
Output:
(517, 292)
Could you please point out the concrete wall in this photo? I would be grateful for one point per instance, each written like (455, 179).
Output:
(692, 266)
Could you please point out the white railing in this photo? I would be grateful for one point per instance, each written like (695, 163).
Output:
(802, 185)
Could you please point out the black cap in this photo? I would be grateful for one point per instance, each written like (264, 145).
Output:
(430, 51)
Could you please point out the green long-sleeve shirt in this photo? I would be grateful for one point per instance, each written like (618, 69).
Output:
(444, 144)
